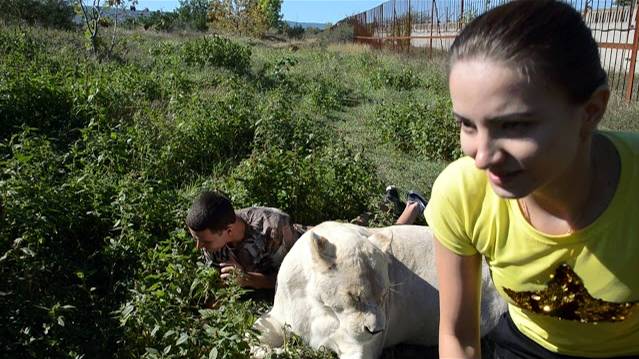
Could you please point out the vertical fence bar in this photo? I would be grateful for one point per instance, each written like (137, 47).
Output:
(633, 58)
(432, 13)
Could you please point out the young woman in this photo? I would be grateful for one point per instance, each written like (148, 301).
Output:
(550, 202)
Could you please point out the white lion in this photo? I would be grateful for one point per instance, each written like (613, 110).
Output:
(357, 290)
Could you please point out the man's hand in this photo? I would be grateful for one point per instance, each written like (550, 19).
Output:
(245, 279)
(231, 269)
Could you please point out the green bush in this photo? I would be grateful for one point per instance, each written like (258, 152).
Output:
(217, 51)
(166, 316)
(334, 183)
(160, 21)
(277, 76)
(327, 93)
(340, 33)
(35, 100)
(281, 127)
(202, 132)
(49, 13)
(294, 32)
(404, 79)
(426, 129)
(23, 43)
(56, 297)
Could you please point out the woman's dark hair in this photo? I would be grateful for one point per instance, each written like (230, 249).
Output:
(210, 210)
(545, 40)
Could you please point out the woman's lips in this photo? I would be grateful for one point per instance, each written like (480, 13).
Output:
(502, 178)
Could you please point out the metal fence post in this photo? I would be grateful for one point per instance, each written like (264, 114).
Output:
(432, 19)
(410, 27)
(461, 16)
(633, 58)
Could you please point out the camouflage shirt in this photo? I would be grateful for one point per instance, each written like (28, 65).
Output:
(269, 236)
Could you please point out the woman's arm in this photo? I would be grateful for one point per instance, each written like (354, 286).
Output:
(459, 299)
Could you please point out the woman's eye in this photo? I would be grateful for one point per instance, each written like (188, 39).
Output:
(465, 124)
(515, 125)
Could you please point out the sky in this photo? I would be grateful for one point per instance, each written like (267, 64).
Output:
(320, 11)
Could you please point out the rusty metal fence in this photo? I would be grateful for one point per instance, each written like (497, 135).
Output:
(432, 25)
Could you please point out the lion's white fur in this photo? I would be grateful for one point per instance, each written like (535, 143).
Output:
(357, 290)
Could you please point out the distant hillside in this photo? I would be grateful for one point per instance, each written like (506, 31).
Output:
(307, 25)
(123, 14)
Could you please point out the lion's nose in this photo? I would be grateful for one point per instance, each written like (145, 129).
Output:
(373, 331)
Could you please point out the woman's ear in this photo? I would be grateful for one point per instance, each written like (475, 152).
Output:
(596, 106)
(594, 109)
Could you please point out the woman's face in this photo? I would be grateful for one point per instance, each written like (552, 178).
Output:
(525, 136)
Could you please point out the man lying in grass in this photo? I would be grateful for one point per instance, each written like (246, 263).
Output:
(251, 243)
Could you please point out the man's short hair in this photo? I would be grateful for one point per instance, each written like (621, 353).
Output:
(210, 210)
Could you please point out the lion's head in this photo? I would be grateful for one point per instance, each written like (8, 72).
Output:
(350, 279)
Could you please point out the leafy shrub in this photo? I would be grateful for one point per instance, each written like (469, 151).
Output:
(55, 298)
(281, 127)
(50, 13)
(426, 129)
(166, 315)
(294, 348)
(217, 51)
(35, 100)
(200, 133)
(332, 183)
(339, 33)
(193, 14)
(59, 96)
(13, 41)
(405, 79)
(294, 32)
(277, 75)
(327, 93)
(160, 21)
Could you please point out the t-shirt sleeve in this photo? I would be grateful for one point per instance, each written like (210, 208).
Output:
(447, 214)
(280, 235)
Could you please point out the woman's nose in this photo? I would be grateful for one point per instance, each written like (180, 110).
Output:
(488, 152)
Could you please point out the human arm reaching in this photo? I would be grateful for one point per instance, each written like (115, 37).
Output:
(246, 279)
(459, 303)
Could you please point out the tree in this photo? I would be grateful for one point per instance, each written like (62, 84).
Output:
(193, 13)
(93, 21)
(272, 12)
(49, 13)
(623, 2)
(244, 16)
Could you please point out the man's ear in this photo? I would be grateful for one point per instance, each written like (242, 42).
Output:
(594, 109)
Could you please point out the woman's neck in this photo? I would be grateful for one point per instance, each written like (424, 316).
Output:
(578, 196)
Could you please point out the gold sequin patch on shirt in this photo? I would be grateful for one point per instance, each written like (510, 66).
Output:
(566, 298)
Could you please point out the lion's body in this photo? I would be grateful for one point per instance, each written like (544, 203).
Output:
(358, 290)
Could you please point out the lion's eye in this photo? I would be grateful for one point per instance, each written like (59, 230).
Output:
(355, 298)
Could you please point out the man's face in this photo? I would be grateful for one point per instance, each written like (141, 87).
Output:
(212, 241)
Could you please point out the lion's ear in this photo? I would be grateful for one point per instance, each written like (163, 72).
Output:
(382, 241)
(323, 251)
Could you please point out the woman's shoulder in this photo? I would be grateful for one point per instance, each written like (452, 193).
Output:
(461, 176)
(460, 191)
(626, 143)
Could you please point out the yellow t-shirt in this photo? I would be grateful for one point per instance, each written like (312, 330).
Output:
(575, 294)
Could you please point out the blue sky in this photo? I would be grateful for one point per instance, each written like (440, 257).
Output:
(321, 11)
